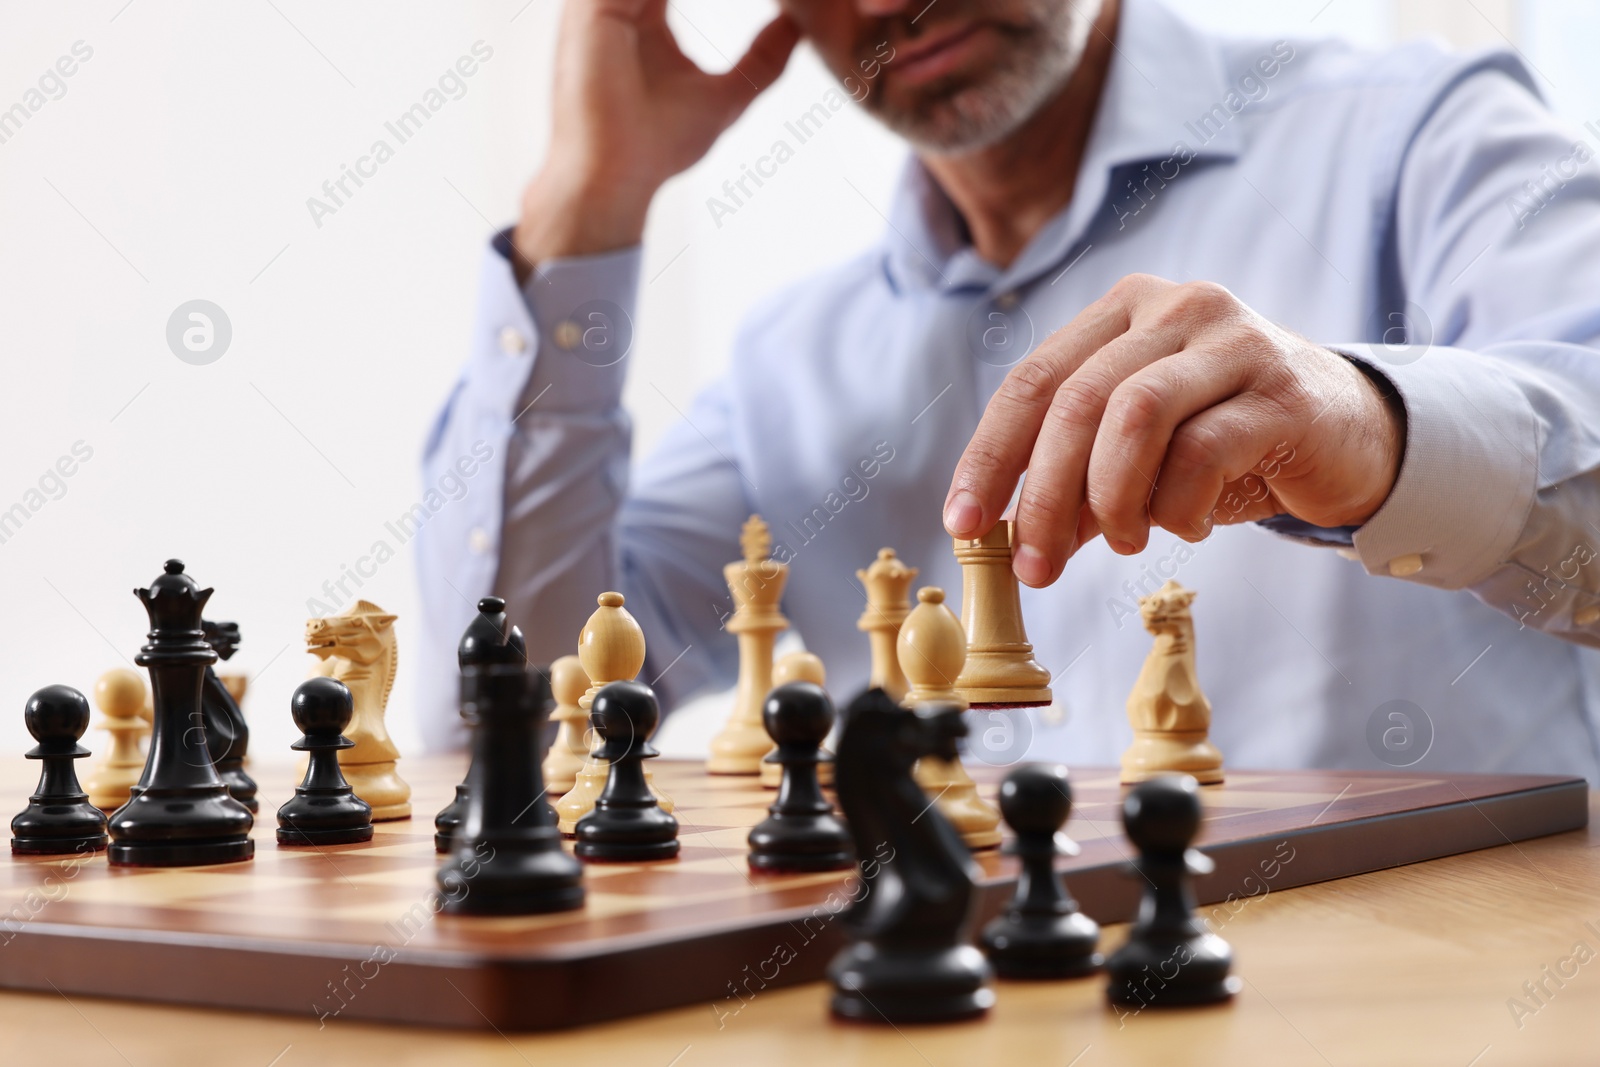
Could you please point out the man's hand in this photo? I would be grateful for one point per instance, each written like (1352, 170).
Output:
(631, 110)
(1174, 406)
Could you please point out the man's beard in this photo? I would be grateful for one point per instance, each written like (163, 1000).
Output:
(1043, 41)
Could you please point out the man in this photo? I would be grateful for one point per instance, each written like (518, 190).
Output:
(1310, 329)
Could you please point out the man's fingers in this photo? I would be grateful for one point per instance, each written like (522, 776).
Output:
(1000, 448)
(1212, 450)
(761, 64)
(1058, 469)
(1136, 432)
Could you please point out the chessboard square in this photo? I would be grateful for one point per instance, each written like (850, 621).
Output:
(721, 818)
(712, 862)
(399, 876)
(172, 885)
(593, 870)
(386, 834)
(407, 849)
(735, 839)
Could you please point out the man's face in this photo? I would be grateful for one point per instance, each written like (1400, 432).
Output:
(950, 76)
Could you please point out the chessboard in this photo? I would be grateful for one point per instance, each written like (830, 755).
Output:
(348, 932)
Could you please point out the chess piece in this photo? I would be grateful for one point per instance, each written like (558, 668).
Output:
(1170, 959)
(911, 960)
(180, 813)
(227, 735)
(1042, 934)
(610, 649)
(1171, 717)
(506, 858)
(59, 817)
(888, 583)
(569, 749)
(1000, 671)
(358, 648)
(795, 667)
(801, 832)
(626, 825)
(236, 684)
(120, 695)
(932, 648)
(756, 583)
(324, 809)
(489, 638)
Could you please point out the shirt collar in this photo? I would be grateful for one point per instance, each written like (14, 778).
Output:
(1164, 74)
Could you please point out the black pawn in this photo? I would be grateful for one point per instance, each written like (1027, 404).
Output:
(1170, 958)
(489, 638)
(227, 735)
(180, 814)
(626, 824)
(801, 833)
(324, 809)
(1042, 934)
(506, 858)
(59, 817)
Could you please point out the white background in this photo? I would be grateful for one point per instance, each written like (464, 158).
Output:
(177, 165)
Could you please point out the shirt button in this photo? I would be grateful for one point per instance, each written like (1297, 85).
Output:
(479, 541)
(512, 343)
(567, 335)
(1406, 566)
(1006, 301)
(1588, 615)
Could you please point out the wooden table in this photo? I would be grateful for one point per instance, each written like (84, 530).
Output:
(1411, 966)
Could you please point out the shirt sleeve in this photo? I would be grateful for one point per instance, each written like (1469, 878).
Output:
(1496, 235)
(528, 385)
(550, 516)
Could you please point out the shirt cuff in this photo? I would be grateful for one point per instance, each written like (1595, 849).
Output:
(561, 341)
(1469, 477)
(1304, 532)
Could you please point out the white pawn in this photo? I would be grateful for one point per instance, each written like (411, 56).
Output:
(932, 649)
(120, 695)
(568, 751)
(796, 667)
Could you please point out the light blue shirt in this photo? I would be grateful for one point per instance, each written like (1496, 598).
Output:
(1417, 210)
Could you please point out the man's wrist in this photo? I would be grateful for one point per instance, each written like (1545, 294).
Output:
(562, 219)
(1389, 434)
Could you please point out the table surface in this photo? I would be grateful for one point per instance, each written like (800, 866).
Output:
(1416, 965)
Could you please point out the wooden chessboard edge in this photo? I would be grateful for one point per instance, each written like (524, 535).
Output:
(547, 992)
(1255, 866)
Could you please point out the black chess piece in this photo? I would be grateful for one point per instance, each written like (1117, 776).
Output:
(506, 858)
(627, 824)
(59, 817)
(1170, 958)
(1042, 934)
(489, 638)
(227, 735)
(180, 813)
(801, 832)
(912, 959)
(324, 809)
